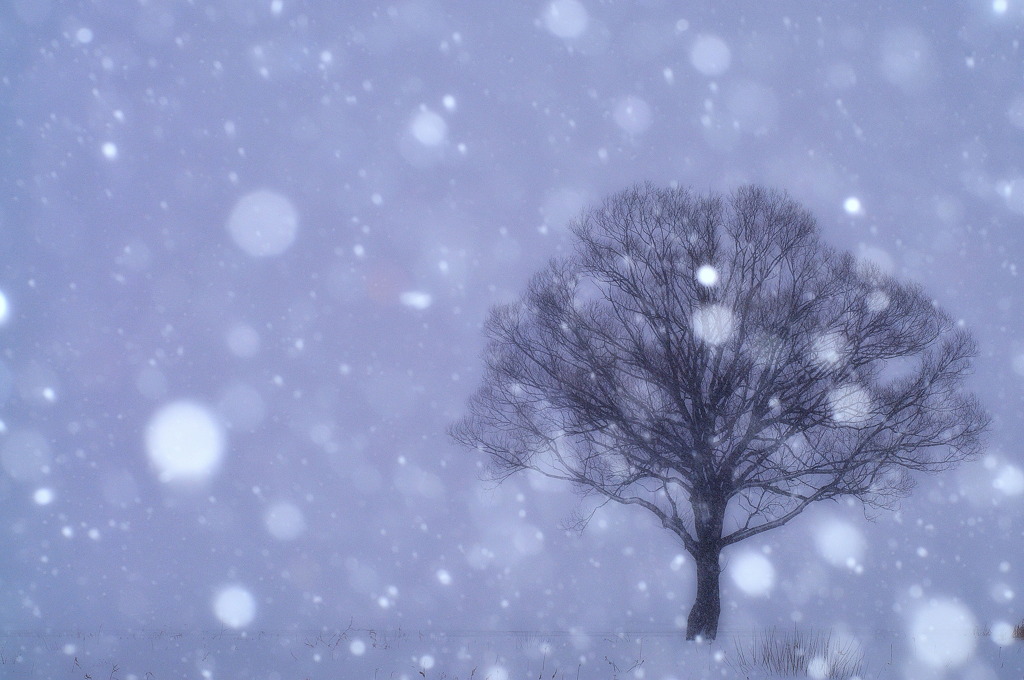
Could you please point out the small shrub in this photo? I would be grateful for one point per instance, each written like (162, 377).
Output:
(1018, 631)
(800, 653)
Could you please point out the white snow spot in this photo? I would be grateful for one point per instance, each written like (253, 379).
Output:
(357, 647)
(877, 301)
(84, 35)
(850, 404)
(43, 496)
(852, 206)
(943, 633)
(284, 521)
(428, 128)
(243, 341)
(426, 662)
(5, 309)
(416, 299)
(818, 668)
(26, 456)
(443, 577)
(566, 18)
(633, 115)
(906, 59)
(1018, 364)
(752, 573)
(496, 673)
(1002, 633)
(714, 324)
(109, 150)
(707, 275)
(1001, 593)
(1016, 112)
(710, 55)
(829, 348)
(677, 562)
(234, 606)
(1013, 194)
(1000, 6)
(840, 543)
(184, 442)
(1010, 481)
(448, 101)
(263, 223)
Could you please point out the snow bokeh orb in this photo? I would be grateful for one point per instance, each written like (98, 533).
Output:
(284, 521)
(235, 607)
(943, 633)
(416, 299)
(5, 309)
(428, 128)
(1013, 194)
(818, 668)
(878, 301)
(710, 55)
(43, 496)
(852, 206)
(1010, 480)
(243, 341)
(1002, 633)
(566, 18)
(840, 543)
(850, 405)
(753, 574)
(184, 442)
(907, 59)
(263, 223)
(714, 324)
(496, 673)
(707, 275)
(829, 349)
(633, 115)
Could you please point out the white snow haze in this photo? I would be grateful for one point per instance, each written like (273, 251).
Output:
(249, 253)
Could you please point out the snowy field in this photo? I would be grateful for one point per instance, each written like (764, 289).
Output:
(498, 655)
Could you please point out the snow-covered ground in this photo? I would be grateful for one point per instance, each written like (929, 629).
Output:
(495, 655)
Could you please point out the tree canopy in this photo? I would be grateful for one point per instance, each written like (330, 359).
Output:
(710, 359)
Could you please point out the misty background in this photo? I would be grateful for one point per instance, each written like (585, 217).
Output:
(248, 248)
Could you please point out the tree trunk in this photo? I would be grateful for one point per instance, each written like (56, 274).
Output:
(703, 619)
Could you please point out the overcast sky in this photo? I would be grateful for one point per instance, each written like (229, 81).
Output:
(266, 233)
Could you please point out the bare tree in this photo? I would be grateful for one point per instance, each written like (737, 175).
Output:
(709, 359)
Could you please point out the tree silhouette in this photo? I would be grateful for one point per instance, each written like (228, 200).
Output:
(709, 359)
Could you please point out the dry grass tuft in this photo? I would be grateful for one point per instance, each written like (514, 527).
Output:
(800, 653)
